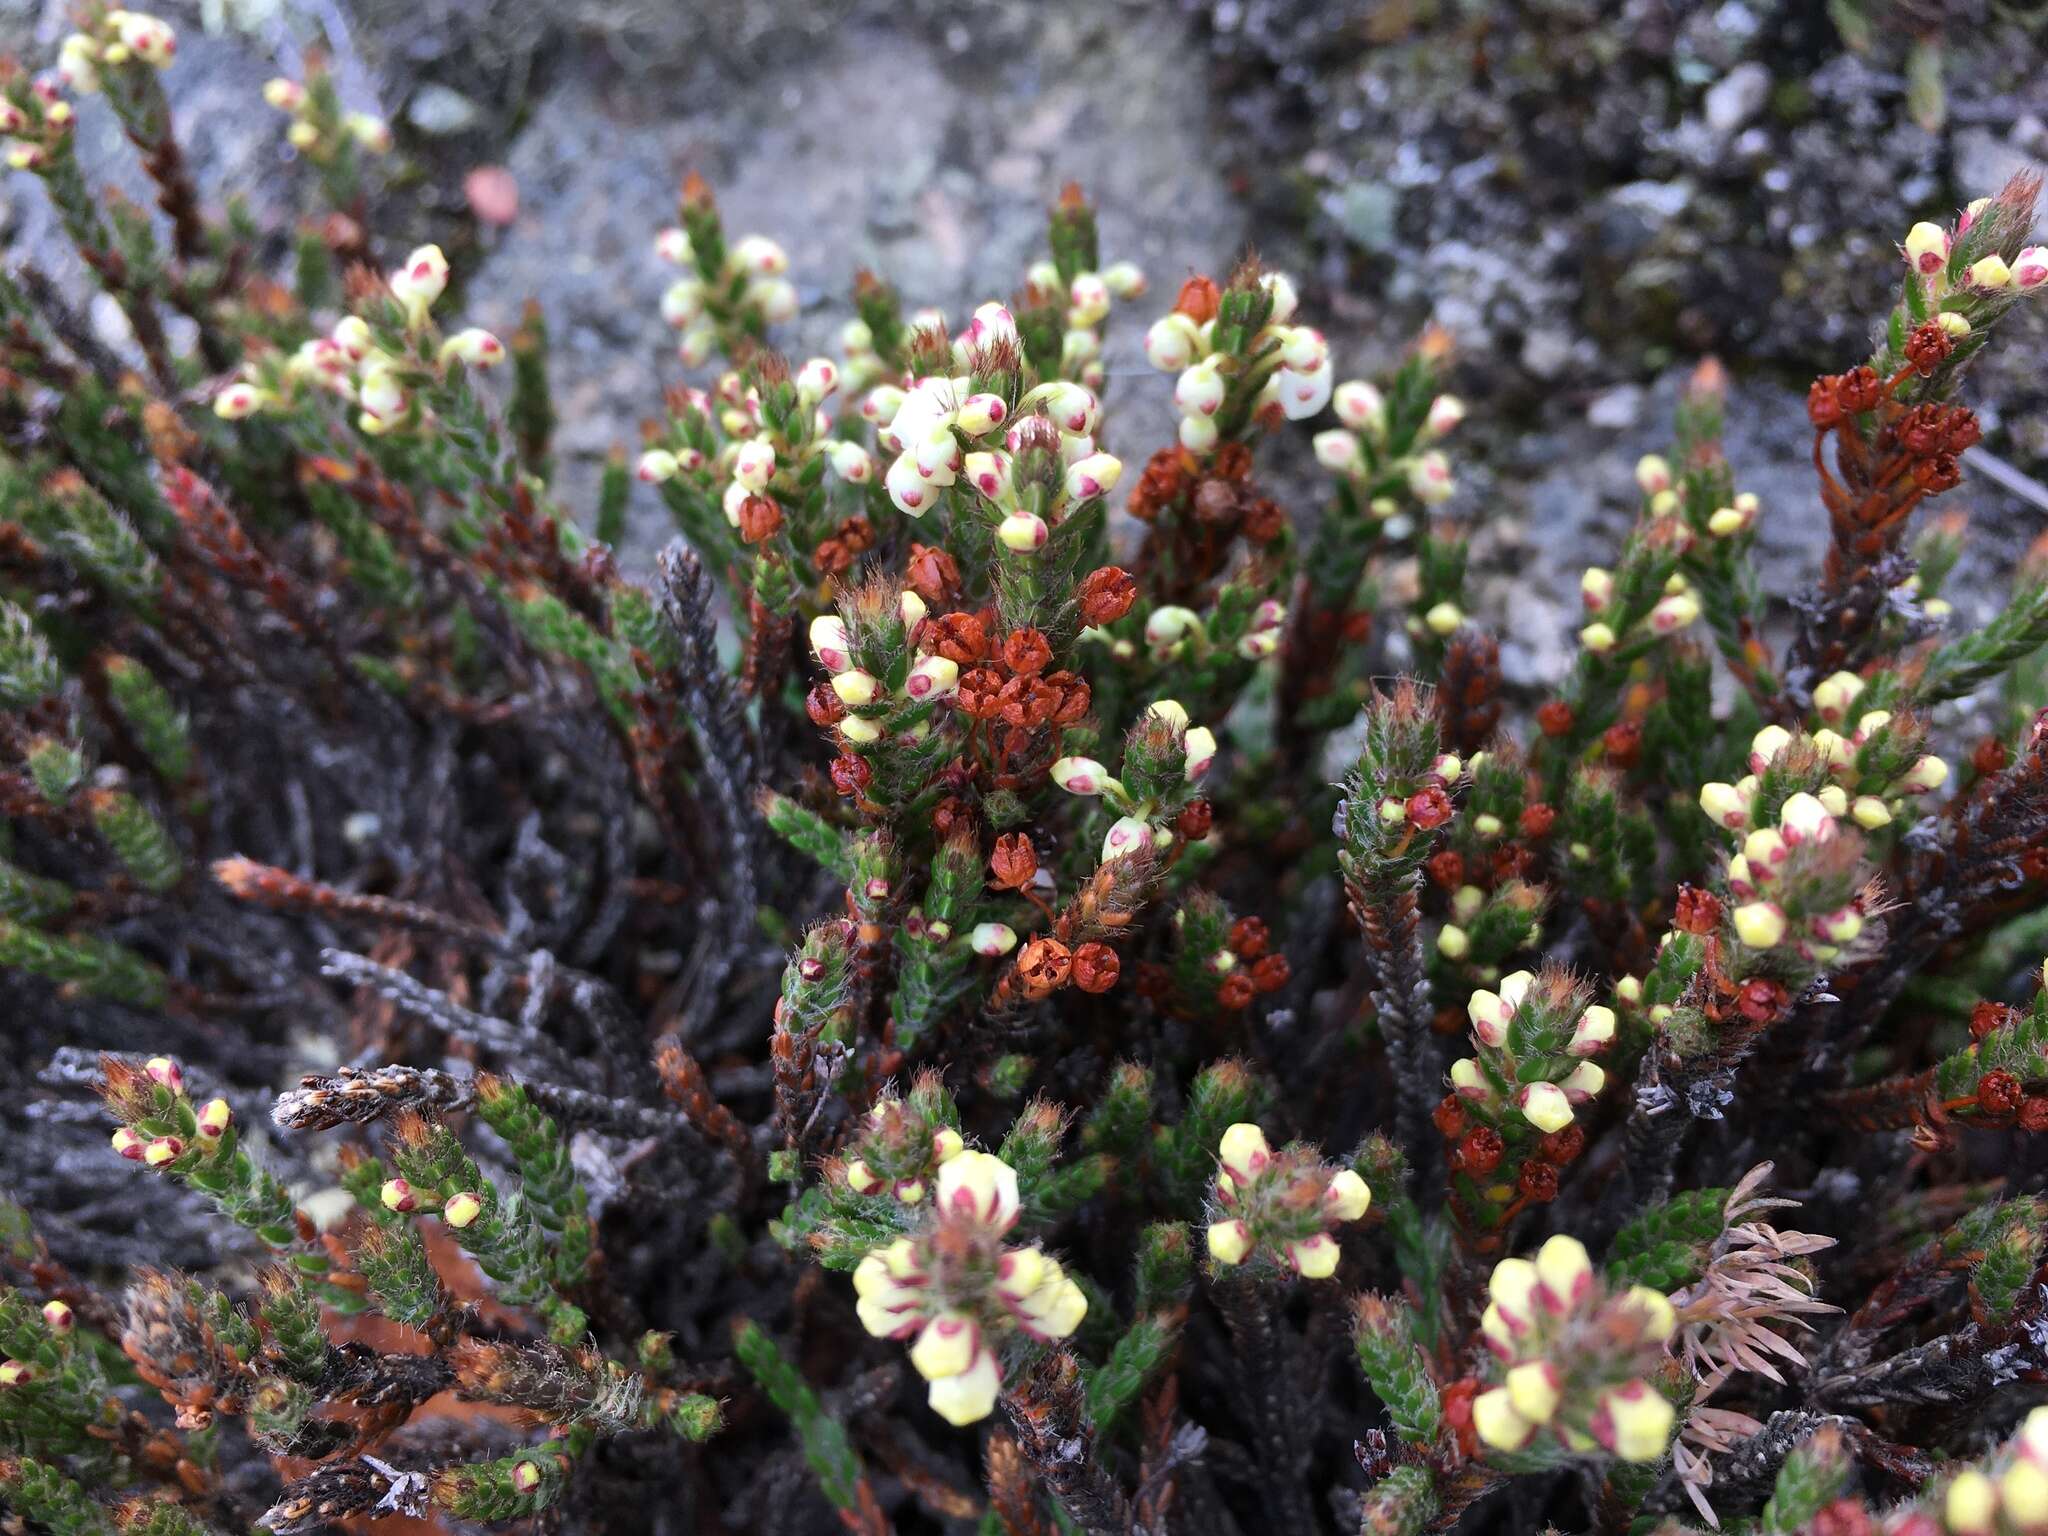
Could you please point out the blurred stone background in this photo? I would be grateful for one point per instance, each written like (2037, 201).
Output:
(1589, 195)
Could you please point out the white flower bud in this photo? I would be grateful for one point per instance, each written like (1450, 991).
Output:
(1445, 412)
(912, 493)
(474, 346)
(239, 400)
(1080, 775)
(992, 939)
(1199, 391)
(1201, 751)
(1198, 434)
(934, 677)
(760, 255)
(1285, 301)
(655, 466)
(1360, 406)
(1127, 836)
(1096, 475)
(1429, 478)
(423, 279)
(1023, 532)
(1653, 474)
(1168, 624)
(850, 462)
(981, 414)
(1927, 248)
(1170, 343)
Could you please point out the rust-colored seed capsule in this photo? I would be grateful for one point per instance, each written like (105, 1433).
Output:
(1538, 1181)
(1105, 595)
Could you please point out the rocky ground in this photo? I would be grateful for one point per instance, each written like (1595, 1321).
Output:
(1587, 195)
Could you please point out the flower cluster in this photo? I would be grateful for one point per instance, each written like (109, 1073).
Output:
(1864, 776)
(1510, 1116)
(1575, 1358)
(1238, 356)
(1801, 883)
(388, 365)
(119, 37)
(728, 290)
(956, 1288)
(319, 128)
(899, 1149)
(1279, 1206)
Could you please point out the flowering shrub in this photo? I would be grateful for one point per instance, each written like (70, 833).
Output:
(931, 1010)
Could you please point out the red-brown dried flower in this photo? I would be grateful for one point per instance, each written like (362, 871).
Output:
(1249, 937)
(1447, 869)
(1697, 912)
(1760, 1000)
(1105, 594)
(1623, 743)
(1096, 967)
(1198, 298)
(1928, 347)
(932, 573)
(1237, 991)
(1859, 390)
(1233, 461)
(1161, 484)
(1449, 1115)
(1562, 1146)
(850, 774)
(1537, 820)
(1989, 757)
(1269, 973)
(1999, 1093)
(1824, 403)
(824, 707)
(1263, 521)
(1429, 807)
(1026, 652)
(856, 533)
(1479, 1151)
(981, 693)
(1029, 702)
(1554, 716)
(1043, 966)
(1075, 696)
(1013, 863)
(1537, 1182)
(959, 637)
(2033, 1115)
(1988, 1015)
(760, 518)
(832, 557)
(1195, 820)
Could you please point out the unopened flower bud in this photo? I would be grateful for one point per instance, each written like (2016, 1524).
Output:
(526, 1476)
(1230, 1242)
(1096, 475)
(1596, 589)
(476, 347)
(855, 687)
(1496, 1422)
(16, 1373)
(162, 1150)
(1443, 619)
(239, 400)
(1767, 744)
(398, 1195)
(1452, 942)
(2030, 267)
(1593, 1031)
(1760, 924)
(1990, 273)
(1927, 248)
(1023, 532)
(1953, 325)
(1834, 694)
(1640, 1420)
(165, 1073)
(1725, 805)
(934, 677)
(1199, 391)
(462, 1209)
(1653, 474)
(1429, 478)
(1200, 743)
(1597, 638)
(1928, 773)
(1869, 812)
(1347, 1197)
(1544, 1106)
(761, 256)
(1315, 1257)
(1535, 1388)
(214, 1119)
(1171, 342)
(992, 939)
(128, 1144)
(1674, 613)
(422, 279)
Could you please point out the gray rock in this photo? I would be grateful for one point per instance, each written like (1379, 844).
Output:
(1737, 96)
(439, 110)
